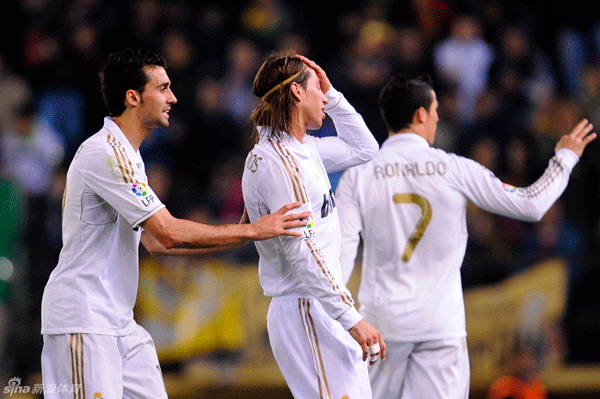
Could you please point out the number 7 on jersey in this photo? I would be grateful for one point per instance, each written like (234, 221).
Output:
(423, 221)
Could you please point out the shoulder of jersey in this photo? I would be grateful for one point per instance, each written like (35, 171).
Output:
(267, 149)
(442, 153)
(92, 145)
(258, 158)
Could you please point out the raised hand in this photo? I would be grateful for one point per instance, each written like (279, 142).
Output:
(278, 223)
(578, 139)
(325, 83)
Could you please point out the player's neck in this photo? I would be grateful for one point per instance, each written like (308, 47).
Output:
(412, 128)
(132, 129)
(297, 128)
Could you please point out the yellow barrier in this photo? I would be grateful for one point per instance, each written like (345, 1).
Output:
(195, 306)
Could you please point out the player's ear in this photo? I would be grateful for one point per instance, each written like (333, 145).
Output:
(132, 98)
(420, 115)
(296, 92)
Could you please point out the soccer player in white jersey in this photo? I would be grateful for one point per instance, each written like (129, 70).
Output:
(318, 338)
(92, 345)
(409, 205)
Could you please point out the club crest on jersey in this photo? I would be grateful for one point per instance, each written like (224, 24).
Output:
(509, 188)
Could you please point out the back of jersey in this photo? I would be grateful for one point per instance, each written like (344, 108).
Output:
(412, 220)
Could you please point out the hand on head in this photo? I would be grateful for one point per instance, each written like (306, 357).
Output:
(325, 83)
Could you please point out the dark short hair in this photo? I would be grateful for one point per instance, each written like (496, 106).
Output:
(401, 97)
(124, 71)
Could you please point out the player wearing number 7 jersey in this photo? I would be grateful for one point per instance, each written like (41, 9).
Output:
(409, 205)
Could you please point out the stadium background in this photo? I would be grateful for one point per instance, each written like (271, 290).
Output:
(511, 76)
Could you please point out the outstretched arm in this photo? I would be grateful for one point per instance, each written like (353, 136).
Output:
(529, 203)
(183, 237)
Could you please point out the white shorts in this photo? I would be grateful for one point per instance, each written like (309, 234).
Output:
(82, 366)
(317, 357)
(429, 370)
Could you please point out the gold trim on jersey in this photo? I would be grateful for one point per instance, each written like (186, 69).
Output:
(311, 333)
(292, 170)
(125, 165)
(76, 349)
(319, 258)
(547, 178)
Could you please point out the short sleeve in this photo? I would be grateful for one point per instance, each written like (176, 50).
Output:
(123, 185)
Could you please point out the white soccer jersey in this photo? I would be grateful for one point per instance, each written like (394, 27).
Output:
(94, 286)
(409, 205)
(280, 172)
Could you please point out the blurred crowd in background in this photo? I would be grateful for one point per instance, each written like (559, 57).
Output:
(511, 76)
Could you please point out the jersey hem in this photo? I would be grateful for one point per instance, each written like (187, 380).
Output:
(424, 337)
(146, 216)
(83, 330)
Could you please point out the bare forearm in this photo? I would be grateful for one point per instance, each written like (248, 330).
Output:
(188, 235)
(172, 233)
(156, 248)
(175, 233)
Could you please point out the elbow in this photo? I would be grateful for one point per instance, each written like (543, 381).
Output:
(369, 152)
(536, 218)
(169, 242)
(167, 238)
(537, 214)
(533, 217)
(154, 251)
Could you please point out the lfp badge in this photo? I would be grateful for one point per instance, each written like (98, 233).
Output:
(509, 188)
(139, 189)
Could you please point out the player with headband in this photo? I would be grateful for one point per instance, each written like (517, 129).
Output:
(320, 341)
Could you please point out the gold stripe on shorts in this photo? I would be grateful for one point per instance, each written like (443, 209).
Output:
(76, 349)
(311, 333)
(81, 366)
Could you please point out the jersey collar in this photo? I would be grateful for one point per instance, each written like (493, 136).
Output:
(286, 140)
(115, 130)
(406, 139)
